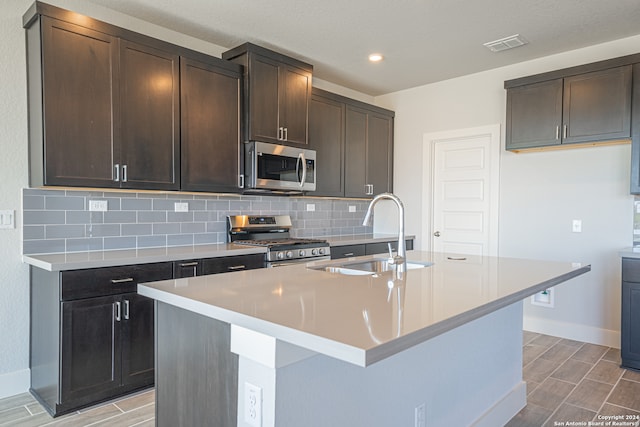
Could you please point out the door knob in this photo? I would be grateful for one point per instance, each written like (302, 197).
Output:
(437, 234)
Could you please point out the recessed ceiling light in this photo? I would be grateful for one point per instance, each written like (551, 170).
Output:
(506, 43)
(375, 57)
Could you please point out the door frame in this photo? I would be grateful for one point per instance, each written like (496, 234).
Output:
(428, 179)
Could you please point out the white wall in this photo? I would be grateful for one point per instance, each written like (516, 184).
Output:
(540, 194)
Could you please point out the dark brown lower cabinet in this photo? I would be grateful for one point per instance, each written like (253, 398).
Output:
(92, 335)
(630, 324)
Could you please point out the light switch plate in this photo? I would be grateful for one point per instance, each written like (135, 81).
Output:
(7, 219)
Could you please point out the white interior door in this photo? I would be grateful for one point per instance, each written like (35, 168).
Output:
(464, 167)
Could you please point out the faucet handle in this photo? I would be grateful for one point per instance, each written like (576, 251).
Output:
(390, 252)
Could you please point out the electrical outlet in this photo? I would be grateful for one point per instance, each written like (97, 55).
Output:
(252, 405)
(181, 207)
(544, 298)
(311, 207)
(98, 205)
(352, 208)
(420, 415)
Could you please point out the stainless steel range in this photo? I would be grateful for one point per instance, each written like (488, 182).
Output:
(273, 232)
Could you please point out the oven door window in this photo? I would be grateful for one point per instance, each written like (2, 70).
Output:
(284, 169)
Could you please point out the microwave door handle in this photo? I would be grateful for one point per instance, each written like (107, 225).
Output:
(304, 168)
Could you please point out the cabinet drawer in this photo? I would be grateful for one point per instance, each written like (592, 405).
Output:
(631, 270)
(383, 248)
(233, 263)
(347, 251)
(94, 282)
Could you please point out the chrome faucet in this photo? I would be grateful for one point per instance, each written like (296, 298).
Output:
(402, 251)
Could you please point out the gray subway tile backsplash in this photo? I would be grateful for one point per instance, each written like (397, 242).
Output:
(59, 220)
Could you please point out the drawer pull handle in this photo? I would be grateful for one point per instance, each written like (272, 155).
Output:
(349, 254)
(237, 267)
(457, 258)
(116, 281)
(117, 313)
(189, 264)
(126, 309)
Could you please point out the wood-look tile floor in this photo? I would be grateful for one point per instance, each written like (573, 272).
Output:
(575, 382)
(133, 410)
(567, 381)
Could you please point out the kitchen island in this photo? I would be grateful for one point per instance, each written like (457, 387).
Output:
(432, 346)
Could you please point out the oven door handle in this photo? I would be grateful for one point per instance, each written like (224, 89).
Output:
(302, 160)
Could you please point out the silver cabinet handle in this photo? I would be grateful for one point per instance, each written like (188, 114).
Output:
(124, 173)
(280, 133)
(437, 234)
(240, 181)
(557, 132)
(189, 264)
(348, 254)
(117, 311)
(286, 134)
(126, 309)
(116, 172)
(457, 258)
(116, 281)
(564, 132)
(237, 267)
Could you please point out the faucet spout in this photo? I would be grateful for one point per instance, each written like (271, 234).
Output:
(402, 251)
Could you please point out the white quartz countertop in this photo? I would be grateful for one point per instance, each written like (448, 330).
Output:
(95, 259)
(363, 318)
(630, 253)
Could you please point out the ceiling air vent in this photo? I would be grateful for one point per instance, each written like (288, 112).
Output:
(506, 43)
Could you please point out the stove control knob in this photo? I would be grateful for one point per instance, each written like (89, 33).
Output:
(280, 255)
(302, 253)
(321, 251)
(289, 254)
(314, 251)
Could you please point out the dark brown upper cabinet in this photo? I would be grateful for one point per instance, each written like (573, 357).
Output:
(354, 146)
(103, 111)
(149, 118)
(368, 151)
(211, 137)
(580, 107)
(326, 137)
(277, 95)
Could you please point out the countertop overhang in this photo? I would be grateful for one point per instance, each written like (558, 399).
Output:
(363, 319)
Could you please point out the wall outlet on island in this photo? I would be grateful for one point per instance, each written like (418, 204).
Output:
(543, 298)
(252, 405)
(420, 415)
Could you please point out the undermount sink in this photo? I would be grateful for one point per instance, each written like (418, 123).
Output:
(373, 266)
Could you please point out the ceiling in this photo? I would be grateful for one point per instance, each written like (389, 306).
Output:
(423, 41)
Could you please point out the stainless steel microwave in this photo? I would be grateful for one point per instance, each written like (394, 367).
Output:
(279, 167)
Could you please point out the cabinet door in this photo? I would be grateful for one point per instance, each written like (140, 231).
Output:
(150, 114)
(78, 67)
(263, 99)
(597, 106)
(630, 328)
(294, 104)
(379, 153)
(137, 340)
(534, 115)
(90, 360)
(232, 263)
(355, 153)
(326, 137)
(210, 127)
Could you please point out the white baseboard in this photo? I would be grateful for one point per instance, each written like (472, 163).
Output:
(505, 409)
(13, 383)
(572, 331)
